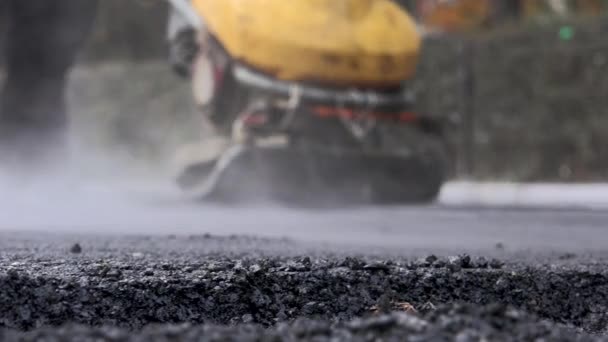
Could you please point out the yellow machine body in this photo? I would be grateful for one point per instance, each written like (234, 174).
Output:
(363, 43)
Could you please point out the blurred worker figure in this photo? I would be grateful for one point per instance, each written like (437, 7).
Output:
(43, 38)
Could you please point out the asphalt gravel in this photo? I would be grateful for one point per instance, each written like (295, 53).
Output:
(445, 323)
(77, 266)
(67, 287)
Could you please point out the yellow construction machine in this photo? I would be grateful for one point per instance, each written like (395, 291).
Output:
(313, 101)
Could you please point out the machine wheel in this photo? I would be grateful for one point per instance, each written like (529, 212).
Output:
(423, 183)
(416, 180)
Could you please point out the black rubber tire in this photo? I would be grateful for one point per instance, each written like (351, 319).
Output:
(423, 185)
(417, 181)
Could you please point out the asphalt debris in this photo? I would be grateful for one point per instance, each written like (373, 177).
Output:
(132, 293)
(458, 322)
(227, 288)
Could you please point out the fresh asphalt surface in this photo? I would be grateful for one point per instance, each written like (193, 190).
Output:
(127, 257)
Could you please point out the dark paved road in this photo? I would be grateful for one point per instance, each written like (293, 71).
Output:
(149, 257)
(437, 227)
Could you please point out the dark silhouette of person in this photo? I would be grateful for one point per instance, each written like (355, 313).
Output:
(43, 38)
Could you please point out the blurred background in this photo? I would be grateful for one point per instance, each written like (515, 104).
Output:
(522, 83)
